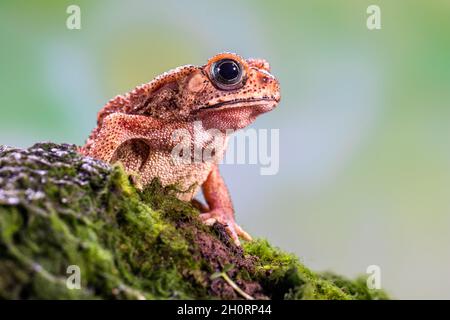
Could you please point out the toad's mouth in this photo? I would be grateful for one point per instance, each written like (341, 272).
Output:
(248, 102)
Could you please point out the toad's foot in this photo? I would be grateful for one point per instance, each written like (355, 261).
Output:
(225, 217)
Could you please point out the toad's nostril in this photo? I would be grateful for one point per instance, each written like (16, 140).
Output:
(264, 79)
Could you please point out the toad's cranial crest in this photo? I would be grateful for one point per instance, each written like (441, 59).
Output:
(137, 128)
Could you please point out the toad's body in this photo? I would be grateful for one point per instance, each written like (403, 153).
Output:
(152, 157)
(175, 127)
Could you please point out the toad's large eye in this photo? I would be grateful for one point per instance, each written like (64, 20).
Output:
(227, 74)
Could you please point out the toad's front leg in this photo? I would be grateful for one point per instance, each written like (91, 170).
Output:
(220, 206)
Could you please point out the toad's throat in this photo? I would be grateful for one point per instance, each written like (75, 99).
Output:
(240, 102)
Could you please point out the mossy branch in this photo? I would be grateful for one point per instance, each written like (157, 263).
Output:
(58, 208)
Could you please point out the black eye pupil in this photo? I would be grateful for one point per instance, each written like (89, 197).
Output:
(227, 72)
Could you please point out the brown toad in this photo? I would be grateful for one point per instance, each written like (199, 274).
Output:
(141, 128)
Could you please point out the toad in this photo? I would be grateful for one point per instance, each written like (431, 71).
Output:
(139, 129)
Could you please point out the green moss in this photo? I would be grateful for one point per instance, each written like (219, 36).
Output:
(356, 288)
(287, 278)
(58, 208)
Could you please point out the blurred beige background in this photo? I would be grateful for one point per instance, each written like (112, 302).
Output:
(364, 120)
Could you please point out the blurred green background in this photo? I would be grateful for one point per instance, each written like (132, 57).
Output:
(364, 119)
